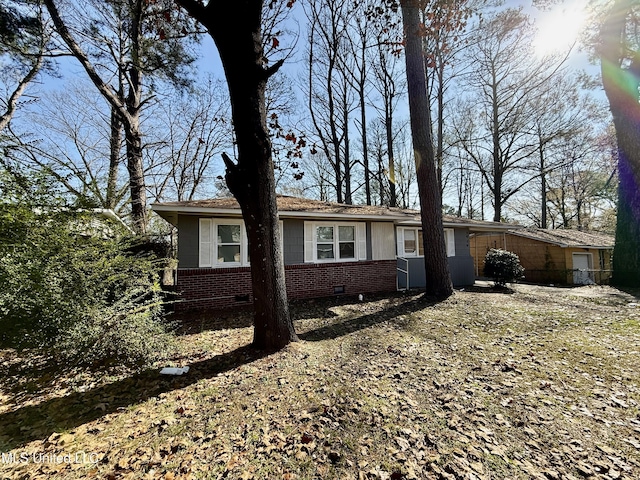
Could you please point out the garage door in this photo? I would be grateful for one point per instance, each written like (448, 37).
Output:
(582, 266)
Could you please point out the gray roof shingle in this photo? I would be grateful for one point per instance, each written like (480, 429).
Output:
(568, 237)
(297, 205)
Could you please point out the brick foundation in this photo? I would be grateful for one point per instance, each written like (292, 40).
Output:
(228, 287)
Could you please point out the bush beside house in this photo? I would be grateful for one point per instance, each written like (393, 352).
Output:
(502, 267)
(73, 295)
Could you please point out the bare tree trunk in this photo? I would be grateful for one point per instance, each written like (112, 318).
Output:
(387, 88)
(497, 160)
(251, 179)
(347, 151)
(365, 147)
(136, 179)
(115, 143)
(440, 120)
(388, 121)
(133, 134)
(435, 255)
(621, 86)
(380, 175)
(566, 221)
(358, 72)
(543, 188)
(335, 142)
(328, 144)
(363, 130)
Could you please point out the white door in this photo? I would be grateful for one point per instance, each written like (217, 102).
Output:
(582, 266)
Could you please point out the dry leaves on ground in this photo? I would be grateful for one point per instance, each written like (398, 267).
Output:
(541, 383)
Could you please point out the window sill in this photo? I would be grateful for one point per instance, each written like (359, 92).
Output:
(333, 260)
(226, 265)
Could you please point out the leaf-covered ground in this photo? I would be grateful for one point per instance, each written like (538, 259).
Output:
(539, 383)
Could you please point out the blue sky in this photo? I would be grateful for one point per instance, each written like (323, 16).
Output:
(209, 62)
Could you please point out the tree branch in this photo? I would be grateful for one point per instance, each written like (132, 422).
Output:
(104, 89)
(17, 93)
(228, 163)
(269, 72)
(195, 8)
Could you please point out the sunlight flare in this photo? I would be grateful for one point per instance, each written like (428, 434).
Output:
(559, 28)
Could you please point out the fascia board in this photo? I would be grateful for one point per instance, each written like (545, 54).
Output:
(472, 226)
(234, 212)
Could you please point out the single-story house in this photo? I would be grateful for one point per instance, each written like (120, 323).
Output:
(329, 248)
(561, 256)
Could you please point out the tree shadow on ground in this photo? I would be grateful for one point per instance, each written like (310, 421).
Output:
(338, 328)
(489, 288)
(322, 307)
(38, 422)
(197, 321)
(31, 370)
(633, 291)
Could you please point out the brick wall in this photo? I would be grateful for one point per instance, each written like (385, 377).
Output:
(213, 287)
(227, 287)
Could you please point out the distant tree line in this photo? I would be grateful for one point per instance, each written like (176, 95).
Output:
(515, 135)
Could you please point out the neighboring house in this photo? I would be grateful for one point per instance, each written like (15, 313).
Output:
(90, 222)
(101, 222)
(328, 248)
(552, 256)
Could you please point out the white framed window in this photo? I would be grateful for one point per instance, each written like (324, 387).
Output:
(335, 242)
(222, 243)
(325, 242)
(229, 243)
(347, 242)
(411, 244)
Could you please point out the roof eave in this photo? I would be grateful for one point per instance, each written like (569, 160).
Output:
(163, 210)
(471, 226)
(388, 218)
(559, 244)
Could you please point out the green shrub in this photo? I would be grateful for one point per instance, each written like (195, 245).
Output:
(502, 267)
(77, 297)
(126, 332)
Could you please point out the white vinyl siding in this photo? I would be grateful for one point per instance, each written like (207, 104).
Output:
(334, 242)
